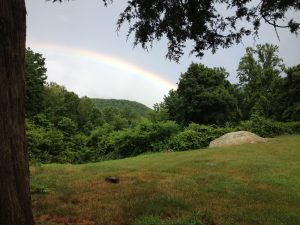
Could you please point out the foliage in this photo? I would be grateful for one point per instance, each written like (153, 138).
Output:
(99, 140)
(74, 130)
(196, 136)
(203, 96)
(35, 76)
(263, 127)
(133, 107)
(67, 126)
(54, 102)
(159, 113)
(292, 127)
(84, 110)
(116, 119)
(269, 128)
(290, 100)
(145, 137)
(45, 144)
(259, 76)
(203, 22)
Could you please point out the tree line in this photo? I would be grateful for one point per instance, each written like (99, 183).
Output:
(62, 127)
(265, 88)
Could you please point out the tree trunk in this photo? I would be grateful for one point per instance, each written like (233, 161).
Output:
(15, 202)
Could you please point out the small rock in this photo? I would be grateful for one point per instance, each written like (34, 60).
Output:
(112, 179)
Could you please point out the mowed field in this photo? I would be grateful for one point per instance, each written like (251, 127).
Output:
(248, 184)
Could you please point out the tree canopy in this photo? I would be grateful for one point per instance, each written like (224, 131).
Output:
(203, 96)
(290, 98)
(209, 24)
(259, 76)
(35, 73)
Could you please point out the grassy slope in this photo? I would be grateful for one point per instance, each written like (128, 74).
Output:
(248, 184)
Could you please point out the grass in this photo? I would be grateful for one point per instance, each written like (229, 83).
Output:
(247, 184)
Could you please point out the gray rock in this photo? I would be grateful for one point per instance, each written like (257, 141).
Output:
(236, 138)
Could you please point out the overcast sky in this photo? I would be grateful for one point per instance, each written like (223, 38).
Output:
(84, 52)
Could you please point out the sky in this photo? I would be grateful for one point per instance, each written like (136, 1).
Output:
(84, 52)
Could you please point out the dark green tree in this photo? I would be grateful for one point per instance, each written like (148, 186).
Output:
(85, 109)
(130, 115)
(35, 78)
(158, 114)
(71, 102)
(291, 94)
(203, 21)
(67, 126)
(55, 107)
(259, 77)
(97, 117)
(203, 96)
(172, 103)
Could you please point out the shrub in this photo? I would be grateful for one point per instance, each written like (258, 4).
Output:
(196, 136)
(147, 136)
(46, 144)
(67, 126)
(99, 139)
(263, 127)
(293, 127)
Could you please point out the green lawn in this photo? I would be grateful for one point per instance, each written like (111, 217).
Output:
(248, 184)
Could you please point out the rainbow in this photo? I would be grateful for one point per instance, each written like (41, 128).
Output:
(108, 60)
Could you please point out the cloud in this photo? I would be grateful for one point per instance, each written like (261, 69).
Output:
(93, 78)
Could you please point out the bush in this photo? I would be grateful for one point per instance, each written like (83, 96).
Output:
(47, 144)
(145, 137)
(99, 139)
(196, 136)
(264, 127)
(293, 127)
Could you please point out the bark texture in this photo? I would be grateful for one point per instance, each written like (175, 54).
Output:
(15, 202)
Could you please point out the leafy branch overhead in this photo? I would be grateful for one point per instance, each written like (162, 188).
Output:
(209, 24)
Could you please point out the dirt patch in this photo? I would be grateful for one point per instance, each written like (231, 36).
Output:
(56, 220)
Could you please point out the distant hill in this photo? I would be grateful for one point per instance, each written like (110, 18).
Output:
(121, 104)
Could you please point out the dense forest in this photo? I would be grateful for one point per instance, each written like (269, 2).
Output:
(118, 104)
(62, 127)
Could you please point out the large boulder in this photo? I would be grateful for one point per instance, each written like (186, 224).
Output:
(236, 138)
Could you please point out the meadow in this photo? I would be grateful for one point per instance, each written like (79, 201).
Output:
(245, 185)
